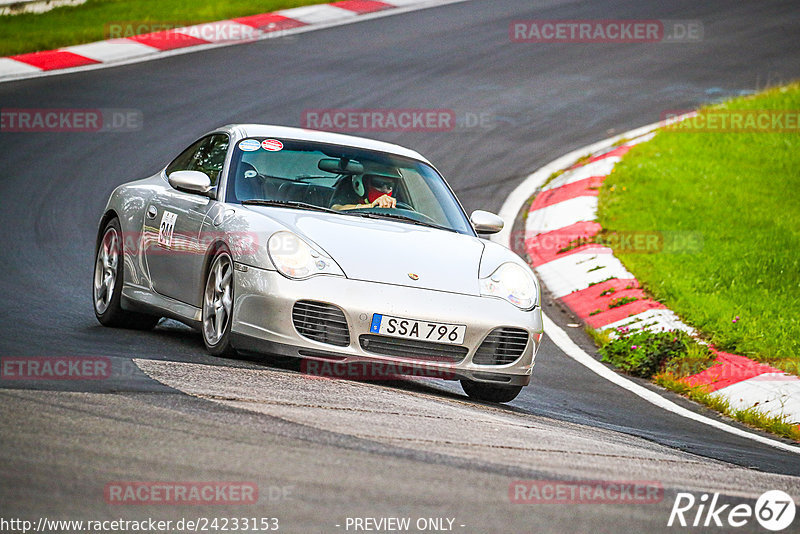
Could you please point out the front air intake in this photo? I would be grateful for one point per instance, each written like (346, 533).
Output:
(501, 346)
(321, 322)
(412, 349)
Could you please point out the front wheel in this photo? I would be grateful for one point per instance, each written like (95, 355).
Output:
(108, 280)
(218, 306)
(490, 392)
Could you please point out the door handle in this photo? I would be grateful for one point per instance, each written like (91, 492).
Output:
(152, 212)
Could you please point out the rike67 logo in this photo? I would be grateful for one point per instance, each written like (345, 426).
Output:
(774, 510)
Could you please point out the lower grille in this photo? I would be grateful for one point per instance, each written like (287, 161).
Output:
(321, 322)
(412, 349)
(501, 346)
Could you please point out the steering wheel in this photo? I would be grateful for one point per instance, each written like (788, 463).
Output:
(404, 206)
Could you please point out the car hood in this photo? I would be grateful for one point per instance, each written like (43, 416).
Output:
(390, 252)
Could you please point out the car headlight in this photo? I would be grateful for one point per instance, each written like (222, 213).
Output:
(295, 258)
(512, 283)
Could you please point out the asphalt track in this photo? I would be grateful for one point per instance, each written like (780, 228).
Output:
(353, 449)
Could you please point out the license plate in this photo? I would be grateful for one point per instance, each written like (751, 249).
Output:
(422, 330)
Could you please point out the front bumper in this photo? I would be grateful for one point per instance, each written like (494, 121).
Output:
(262, 321)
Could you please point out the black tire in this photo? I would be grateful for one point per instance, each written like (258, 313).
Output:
(490, 392)
(109, 311)
(218, 343)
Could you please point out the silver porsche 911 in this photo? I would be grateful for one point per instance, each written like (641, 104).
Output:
(334, 249)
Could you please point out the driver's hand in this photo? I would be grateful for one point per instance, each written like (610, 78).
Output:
(384, 201)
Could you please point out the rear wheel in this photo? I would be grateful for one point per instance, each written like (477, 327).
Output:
(108, 279)
(490, 392)
(218, 306)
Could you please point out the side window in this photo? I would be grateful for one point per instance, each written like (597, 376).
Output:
(183, 161)
(211, 156)
(206, 155)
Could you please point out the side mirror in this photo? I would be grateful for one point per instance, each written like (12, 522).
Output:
(190, 182)
(486, 222)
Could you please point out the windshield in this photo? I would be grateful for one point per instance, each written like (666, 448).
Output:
(347, 180)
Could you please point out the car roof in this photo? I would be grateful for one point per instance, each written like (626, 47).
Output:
(286, 132)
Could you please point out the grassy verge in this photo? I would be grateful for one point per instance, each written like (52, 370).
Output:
(751, 417)
(668, 357)
(728, 207)
(90, 22)
(642, 353)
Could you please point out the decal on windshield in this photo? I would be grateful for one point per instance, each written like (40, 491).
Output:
(166, 229)
(249, 145)
(273, 145)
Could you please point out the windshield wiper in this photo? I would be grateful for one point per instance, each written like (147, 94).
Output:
(287, 204)
(357, 213)
(403, 218)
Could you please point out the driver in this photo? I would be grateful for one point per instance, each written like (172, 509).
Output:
(368, 191)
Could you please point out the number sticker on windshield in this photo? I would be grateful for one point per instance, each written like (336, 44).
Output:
(166, 229)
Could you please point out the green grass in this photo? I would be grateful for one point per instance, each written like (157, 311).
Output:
(600, 337)
(616, 303)
(621, 141)
(728, 206)
(89, 22)
(642, 353)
